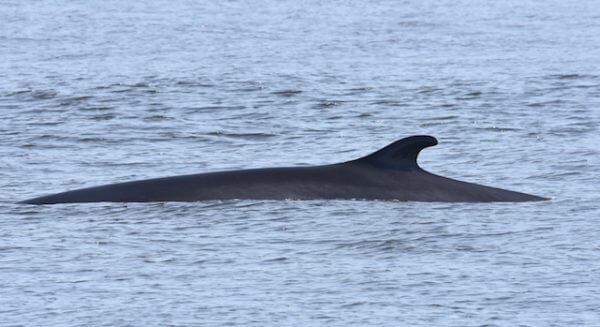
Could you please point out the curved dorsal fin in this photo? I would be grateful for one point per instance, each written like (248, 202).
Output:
(400, 155)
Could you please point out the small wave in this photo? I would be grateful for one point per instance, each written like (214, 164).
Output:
(250, 88)
(566, 76)
(81, 97)
(444, 118)
(46, 123)
(360, 89)
(560, 175)
(214, 108)
(125, 87)
(428, 90)
(75, 100)
(157, 118)
(35, 94)
(545, 103)
(96, 108)
(19, 92)
(193, 84)
(328, 103)
(279, 259)
(287, 93)
(245, 136)
(63, 140)
(415, 23)
(353, 304)
(392, 103)
(376, 245)
(469, 96)
(103, 117)
(499, 129)
(448, 105)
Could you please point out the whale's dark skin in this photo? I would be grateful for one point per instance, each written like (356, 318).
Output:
(391, 173)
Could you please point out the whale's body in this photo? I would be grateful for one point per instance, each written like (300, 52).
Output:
(391, 173)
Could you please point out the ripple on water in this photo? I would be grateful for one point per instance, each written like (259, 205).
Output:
(244, 136)
(33, 94)
(287, 93)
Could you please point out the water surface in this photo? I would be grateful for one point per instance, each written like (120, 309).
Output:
(102, 91)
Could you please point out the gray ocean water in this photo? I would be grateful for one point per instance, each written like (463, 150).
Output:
(95, 92)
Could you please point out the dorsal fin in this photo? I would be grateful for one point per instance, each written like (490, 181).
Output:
(400, 155)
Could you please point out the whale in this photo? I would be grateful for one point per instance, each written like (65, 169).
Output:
(391, 173)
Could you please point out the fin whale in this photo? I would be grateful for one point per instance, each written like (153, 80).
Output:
(391, 173)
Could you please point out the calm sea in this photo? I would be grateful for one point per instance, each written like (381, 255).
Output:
(95, 92)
